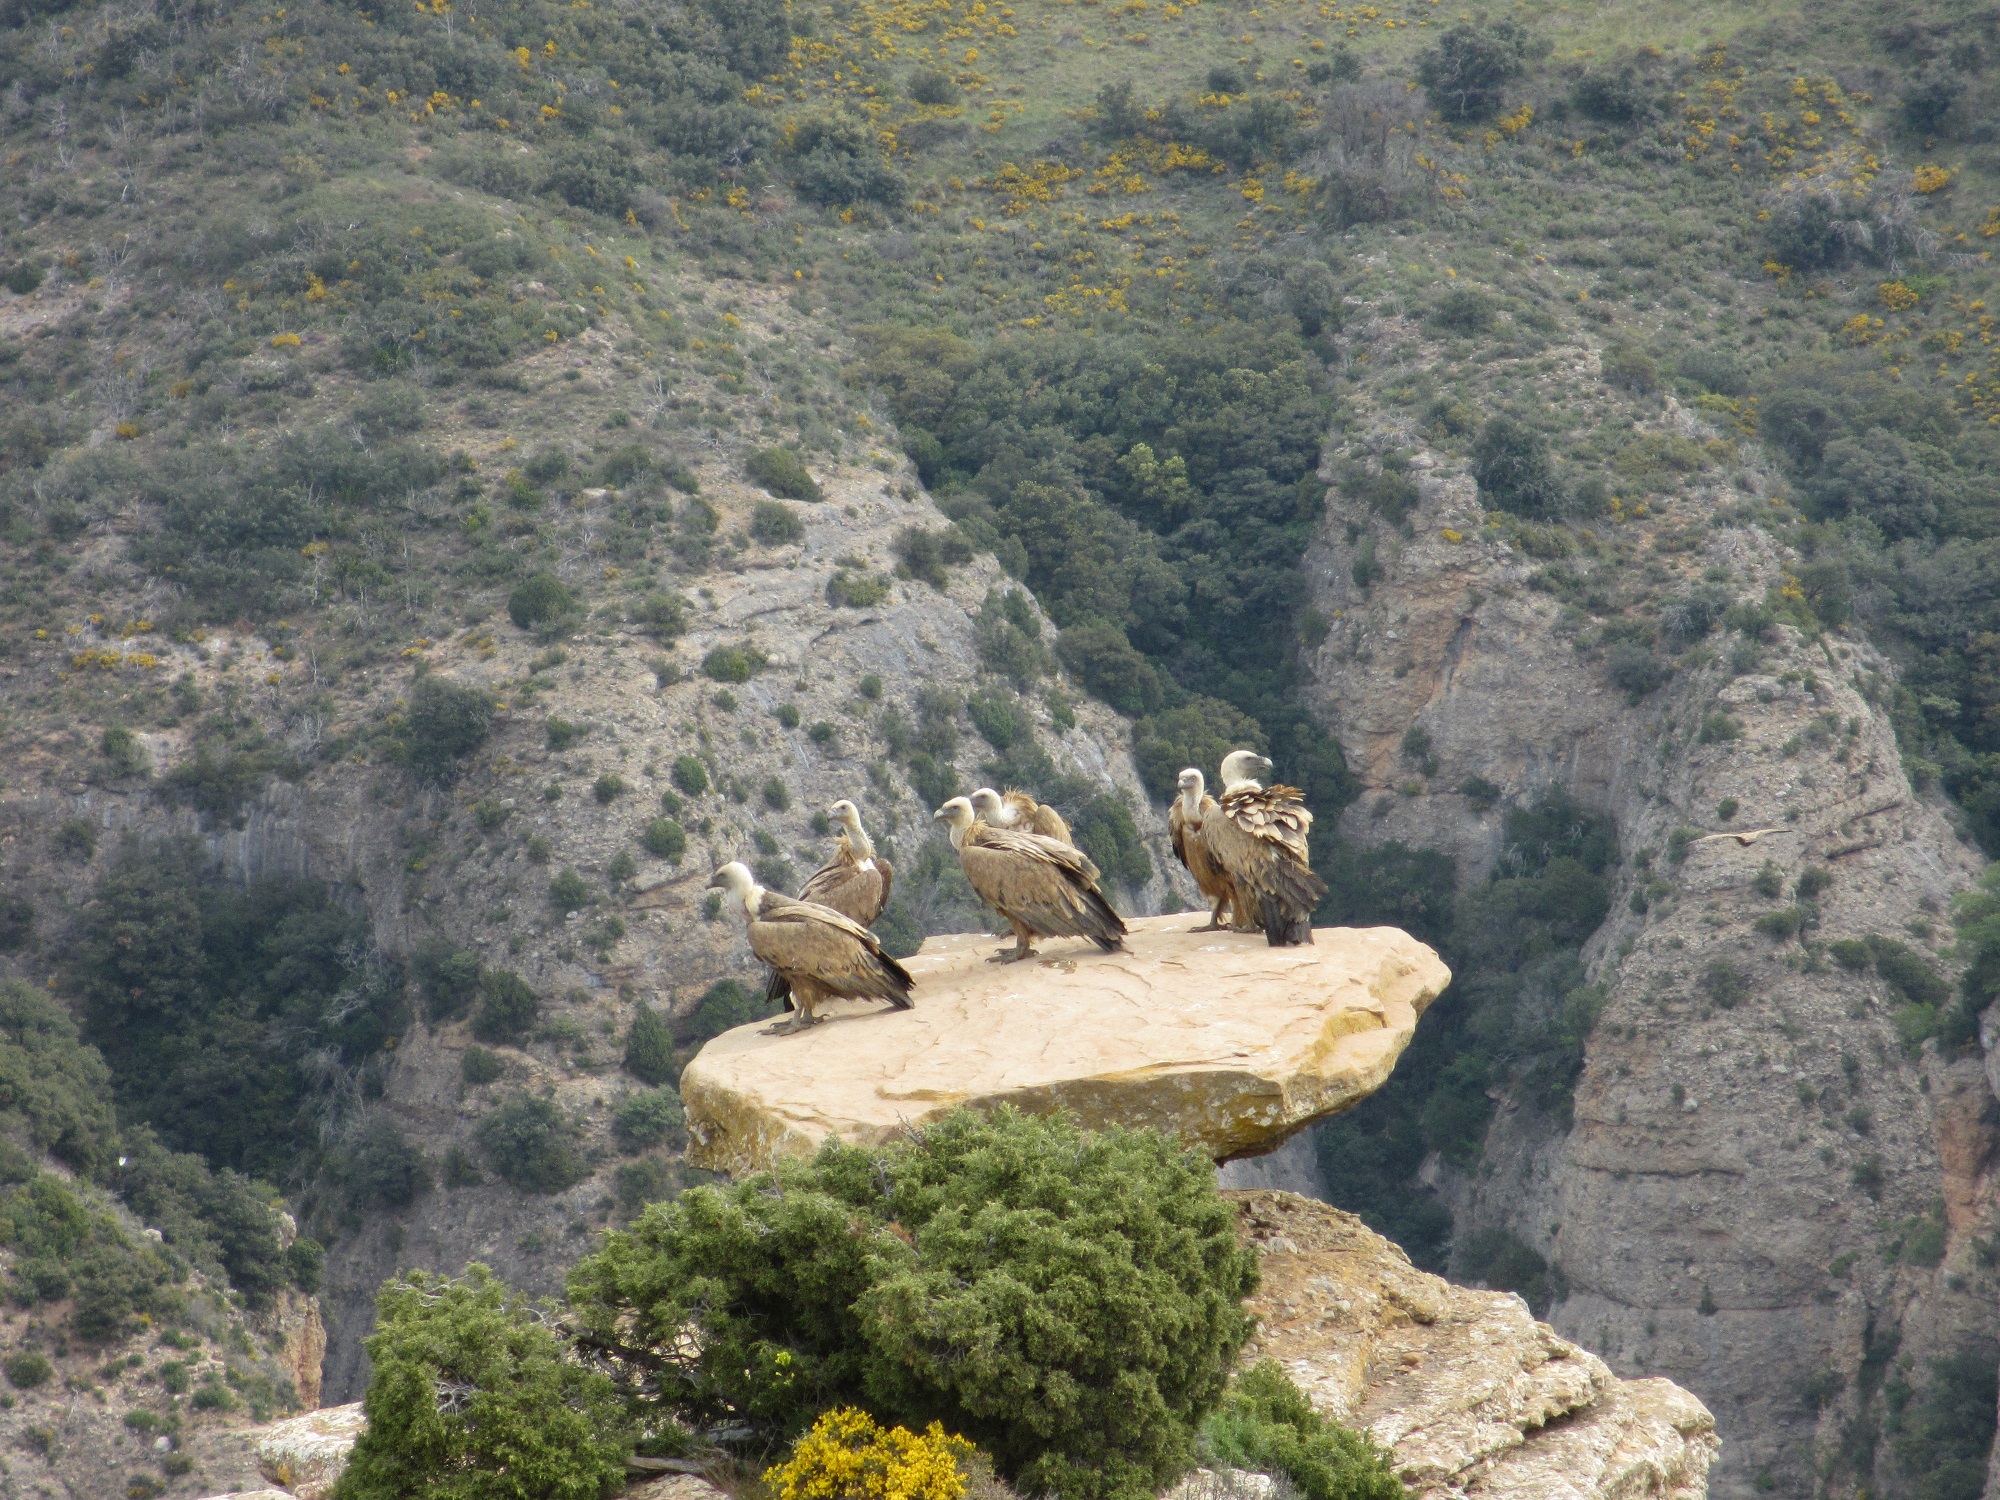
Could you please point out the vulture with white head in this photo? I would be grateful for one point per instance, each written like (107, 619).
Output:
(1044, 888)
(820, 953)
(1020, 813)
(1187, 821)
(855, 883)
(1259, 840)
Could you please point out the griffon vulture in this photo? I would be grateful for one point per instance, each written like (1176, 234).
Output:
(1186, 821)
(855, 883)
(1020, 813)
(1043, 888)
(819, 953)
(1260, 842)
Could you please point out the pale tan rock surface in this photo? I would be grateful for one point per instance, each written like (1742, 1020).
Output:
(1230, 1043)
(1477, 1400)
(306, 1454)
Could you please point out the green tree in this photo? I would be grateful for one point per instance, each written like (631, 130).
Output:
(471, 1396)
(649, 1048)
(1266, 1424)
(1070, 1301)
(445, 722)
(532, 1144)
(1515, 470)
(54, 1087)
(1466, 69)
(540, 601)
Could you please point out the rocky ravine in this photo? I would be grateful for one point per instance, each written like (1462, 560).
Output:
(1721, 1206)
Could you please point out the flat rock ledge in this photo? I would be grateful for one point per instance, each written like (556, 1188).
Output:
(1477, 1400)
(1213, 1036)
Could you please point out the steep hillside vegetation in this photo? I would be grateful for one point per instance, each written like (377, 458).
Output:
(467, 467)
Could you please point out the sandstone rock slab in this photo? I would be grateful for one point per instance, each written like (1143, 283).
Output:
(1477, 1400)
(306, 1454)
(1217, 1037)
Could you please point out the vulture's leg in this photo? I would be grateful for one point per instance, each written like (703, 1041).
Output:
(1024, 946)
(805, 997)
(1214, 922)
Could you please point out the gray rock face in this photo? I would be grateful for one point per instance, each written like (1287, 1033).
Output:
(1724, 1207)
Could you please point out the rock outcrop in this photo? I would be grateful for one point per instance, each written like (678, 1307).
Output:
(1475, 1398)
(307, 1453)
(1718, 1206)
(1212, 1036)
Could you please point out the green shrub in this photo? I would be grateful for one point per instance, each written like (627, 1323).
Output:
(777, 796)
(723, 1006)
(933, 86)
(642, 1121)
(1001, 717)
(608, 788)
(508, 1009)
(1265, 1424)
(568, 892)
(377, 1167)
(28, 1368)
(444, 723)
(775, 525)
(665, 839)
(664, 616)
(1516, 471)
(220, 1221)
(562, 733)
(124, 754)
(478, 1066)
(541, 602)
(54, 1088)
(1466, 70)
(847, 590)
(532, 1144)
(737, 663)
(521, 1418)
(690, 775)
(446, 976)
(649, 1048)
(1724, 983)
(17, 922)
(1070, 1301)
(783, 473)
(924, 554)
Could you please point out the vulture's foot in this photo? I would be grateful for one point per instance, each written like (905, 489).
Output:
(1211, 925)
(1011, 955)
(798, 1021)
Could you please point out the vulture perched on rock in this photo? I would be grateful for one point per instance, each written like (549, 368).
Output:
(855, 883)
(1259, 840)
(1043, 887)
(1186, 821)
(1020, 813)
(819, 953)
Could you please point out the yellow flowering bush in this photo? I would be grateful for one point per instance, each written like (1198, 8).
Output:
(849, 1456)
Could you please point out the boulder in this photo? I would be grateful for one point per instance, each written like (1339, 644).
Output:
(1214, 1036)
(306, 1454)
(1476, 1399)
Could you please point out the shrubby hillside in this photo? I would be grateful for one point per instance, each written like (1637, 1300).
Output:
(465, 467)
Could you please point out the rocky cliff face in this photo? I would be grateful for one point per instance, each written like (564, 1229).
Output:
(1754, 1147)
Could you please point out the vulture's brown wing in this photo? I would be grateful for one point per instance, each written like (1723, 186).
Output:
(853, 890)
(801, 939)
(1047, 887)
(1177, 831)
(1260, 842)
(888, 872)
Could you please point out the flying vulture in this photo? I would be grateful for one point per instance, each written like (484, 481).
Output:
(1186, 820)
(819, 953)
(1043, 887)
(855, 883)
(1021, 813)
(1260, 842)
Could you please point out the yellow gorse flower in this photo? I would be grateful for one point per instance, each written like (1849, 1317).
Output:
(849, 1456)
